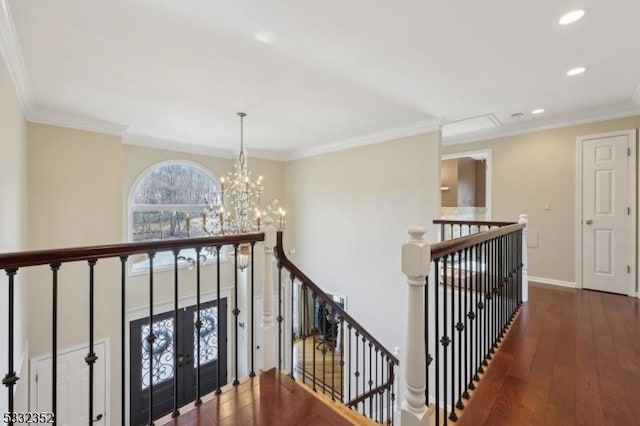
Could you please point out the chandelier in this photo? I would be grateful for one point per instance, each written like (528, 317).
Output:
(235, 208)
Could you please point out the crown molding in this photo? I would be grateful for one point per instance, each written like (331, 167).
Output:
(425, 126)
(139, 139)
(75, 121)
(610, 112)
(12, 54)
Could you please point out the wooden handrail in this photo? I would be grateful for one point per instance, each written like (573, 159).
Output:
(471, 222)
(56, 256)
(308, 282)
(450, 246)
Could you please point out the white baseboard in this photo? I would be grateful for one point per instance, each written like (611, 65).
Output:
(552, 281)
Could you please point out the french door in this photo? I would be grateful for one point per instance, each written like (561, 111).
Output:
(183, 337)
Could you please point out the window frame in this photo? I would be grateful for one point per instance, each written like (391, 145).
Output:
(134, 269)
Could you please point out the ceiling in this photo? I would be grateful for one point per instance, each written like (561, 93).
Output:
(316, 75)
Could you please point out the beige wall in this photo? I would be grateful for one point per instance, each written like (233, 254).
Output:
(350, 211)
(13, 228)
(75, 200)
(532, 169)
(79, 185)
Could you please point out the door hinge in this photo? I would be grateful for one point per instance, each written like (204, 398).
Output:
(629, 210)
(628, 269)
(36, 378)
(629, 152)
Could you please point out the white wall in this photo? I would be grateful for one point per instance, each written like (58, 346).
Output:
(350, 211)
(13, 228)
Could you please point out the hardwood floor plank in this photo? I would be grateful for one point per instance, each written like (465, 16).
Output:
(574, 359)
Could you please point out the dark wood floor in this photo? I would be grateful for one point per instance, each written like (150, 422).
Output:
(270, 398)
(572, 357)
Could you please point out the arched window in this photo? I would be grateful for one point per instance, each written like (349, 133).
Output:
(160, 201)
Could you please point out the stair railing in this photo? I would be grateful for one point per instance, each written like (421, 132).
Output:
(17, 263)
(464, 294)
(362, 370)
(450, 229)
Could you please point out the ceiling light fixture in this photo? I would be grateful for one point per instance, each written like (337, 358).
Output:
(576, 71)
(235, 209)
(573, 16)
(537, 111)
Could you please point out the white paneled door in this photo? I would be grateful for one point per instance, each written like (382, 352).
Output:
(607, 208)
(73, 387)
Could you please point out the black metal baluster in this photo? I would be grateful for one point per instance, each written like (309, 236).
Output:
(376, 396)
(494, 296)
(364, 372)
(280, 343)
(150, 338)
(252, 373)
(293, 340)
(55, 267)
(304, 333)
(91, 357)
(176, 337)
(218, 367)
(445, 339)
(460, 327)
(333, 358)
(198, 325)
(314, 297)
(436, 348)
(11, 377)
(428, 358)
(370, 379)
(393, 395)
(357, 373)
(466, 314)
(123, 307)
(452, 414)
(323, 324)
(342, 345)
(474, 340)
(348, 398)
(442, 237)
(485, 286)
(236, 311)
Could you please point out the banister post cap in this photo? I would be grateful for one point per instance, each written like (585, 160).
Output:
(523, 219)
(416, 253)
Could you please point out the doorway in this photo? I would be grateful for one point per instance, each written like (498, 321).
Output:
(72, 385)
(184, 338)
(606, 212)
(466, 185)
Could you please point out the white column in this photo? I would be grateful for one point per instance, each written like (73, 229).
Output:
(269, 325)
(525, 263)
(416, 254)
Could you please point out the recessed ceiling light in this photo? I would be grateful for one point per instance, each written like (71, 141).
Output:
(576, 71)
(571, 17)
(537, 111)
(264, 37)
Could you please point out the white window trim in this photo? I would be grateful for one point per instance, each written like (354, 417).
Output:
(179, 207)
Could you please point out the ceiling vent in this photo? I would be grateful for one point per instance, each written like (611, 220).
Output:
(469, 126)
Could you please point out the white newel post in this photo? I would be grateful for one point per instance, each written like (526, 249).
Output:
(269, 330)
(416, 254)
(525, 263)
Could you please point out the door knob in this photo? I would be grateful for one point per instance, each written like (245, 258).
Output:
(98, 418)
(589, 222)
